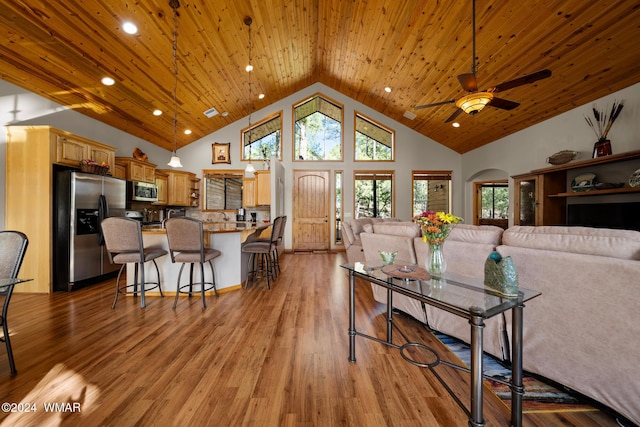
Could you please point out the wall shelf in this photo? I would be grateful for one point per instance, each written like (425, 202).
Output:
(621, 190)
(630, 155)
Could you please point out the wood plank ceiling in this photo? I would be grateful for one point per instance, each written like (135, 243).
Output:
(61, 50)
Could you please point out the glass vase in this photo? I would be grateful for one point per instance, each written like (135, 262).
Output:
(436, 264)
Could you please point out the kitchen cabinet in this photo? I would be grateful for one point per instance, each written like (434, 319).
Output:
(71, 149)
(119, 171)
(540, 197)
(249, 192)
(137, 170)
(179, 185)
(263, 188)
(31, 152)
(162, 182)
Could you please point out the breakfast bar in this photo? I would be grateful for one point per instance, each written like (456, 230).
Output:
(227, 237)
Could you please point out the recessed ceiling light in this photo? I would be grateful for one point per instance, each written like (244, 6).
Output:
(129, 27)
(225, 113)
(108, 81)
(387, 89)
(455, 124)
(261, 96)
(157, 112)
(249, 68)
(187, 132)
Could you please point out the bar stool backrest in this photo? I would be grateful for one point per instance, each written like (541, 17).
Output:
(122, 235)
(185, 234)
(276, 229)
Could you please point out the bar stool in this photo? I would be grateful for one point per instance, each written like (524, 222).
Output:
(264, 267)
(13, 246)
(279, 242)
(186, 245)
(123, 240)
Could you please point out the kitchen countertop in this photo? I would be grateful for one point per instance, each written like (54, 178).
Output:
(215, 227)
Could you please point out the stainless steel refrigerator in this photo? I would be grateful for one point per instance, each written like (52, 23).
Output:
(82, 201)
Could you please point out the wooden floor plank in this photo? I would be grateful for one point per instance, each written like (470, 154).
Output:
(253, 357)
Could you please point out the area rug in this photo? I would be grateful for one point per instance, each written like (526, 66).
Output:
(539, 396)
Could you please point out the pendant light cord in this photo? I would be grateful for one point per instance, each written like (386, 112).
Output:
(175, 5)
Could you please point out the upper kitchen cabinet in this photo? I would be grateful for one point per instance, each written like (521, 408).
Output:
(263, 188)
(137, 170)
(179, 187)
(31, 152)
(71, 149)
(162, 182)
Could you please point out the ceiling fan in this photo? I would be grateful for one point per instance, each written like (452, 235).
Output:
(476, 100)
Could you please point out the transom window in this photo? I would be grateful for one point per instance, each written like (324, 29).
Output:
(431, 191)
(317, 131)
(262, 140)
(373, 194)
(373, 142)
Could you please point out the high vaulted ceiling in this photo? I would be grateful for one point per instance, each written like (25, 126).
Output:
(61, 50)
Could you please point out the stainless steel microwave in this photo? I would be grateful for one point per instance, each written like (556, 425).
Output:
(142, 191)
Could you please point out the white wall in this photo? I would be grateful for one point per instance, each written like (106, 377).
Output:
(413, 151)
(517, 153)
(528, 149)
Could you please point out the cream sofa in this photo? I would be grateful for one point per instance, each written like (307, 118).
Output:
(582, 331)
(351, 230)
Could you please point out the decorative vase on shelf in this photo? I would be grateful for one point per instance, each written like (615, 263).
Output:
(601, 148)
(436, 264)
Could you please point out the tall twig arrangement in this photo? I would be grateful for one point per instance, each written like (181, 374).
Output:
(603, 121)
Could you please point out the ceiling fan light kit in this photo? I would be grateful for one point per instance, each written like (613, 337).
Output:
(474, 102)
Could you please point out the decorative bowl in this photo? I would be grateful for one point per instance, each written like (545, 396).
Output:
(388, 258)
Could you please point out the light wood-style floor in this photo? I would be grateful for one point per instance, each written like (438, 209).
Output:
(253, 357)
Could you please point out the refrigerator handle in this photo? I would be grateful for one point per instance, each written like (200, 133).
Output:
(103, 212)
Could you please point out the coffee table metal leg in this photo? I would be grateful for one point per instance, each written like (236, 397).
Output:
(517, 389)
(389, 315)
(477, 325)
(352, 317)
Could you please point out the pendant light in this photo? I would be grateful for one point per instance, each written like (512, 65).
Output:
(249, 68)
(175, 160)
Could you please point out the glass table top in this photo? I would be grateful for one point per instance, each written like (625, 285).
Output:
(461, 294)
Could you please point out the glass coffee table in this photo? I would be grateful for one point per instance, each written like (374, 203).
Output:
(462, 296)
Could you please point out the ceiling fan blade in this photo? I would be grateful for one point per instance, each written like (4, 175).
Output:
(503, 104)
(454, 115)
(468, 82)
(435, 104)
(529, 78)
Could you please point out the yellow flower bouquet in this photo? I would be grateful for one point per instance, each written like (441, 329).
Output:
(436, 226)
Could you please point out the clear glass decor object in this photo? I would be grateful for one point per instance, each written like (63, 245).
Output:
(388, 258)
(436, 265)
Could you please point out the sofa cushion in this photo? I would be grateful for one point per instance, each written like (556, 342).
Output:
(403, 228)
(623, 244)
(487, 234)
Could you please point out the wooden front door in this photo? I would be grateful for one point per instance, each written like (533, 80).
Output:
(310, 210)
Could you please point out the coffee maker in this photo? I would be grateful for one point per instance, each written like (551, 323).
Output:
(254, 216)
(240, 215)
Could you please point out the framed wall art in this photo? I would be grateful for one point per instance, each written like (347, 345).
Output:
(220, 153)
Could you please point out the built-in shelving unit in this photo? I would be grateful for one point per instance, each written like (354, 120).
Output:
(541, 196)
